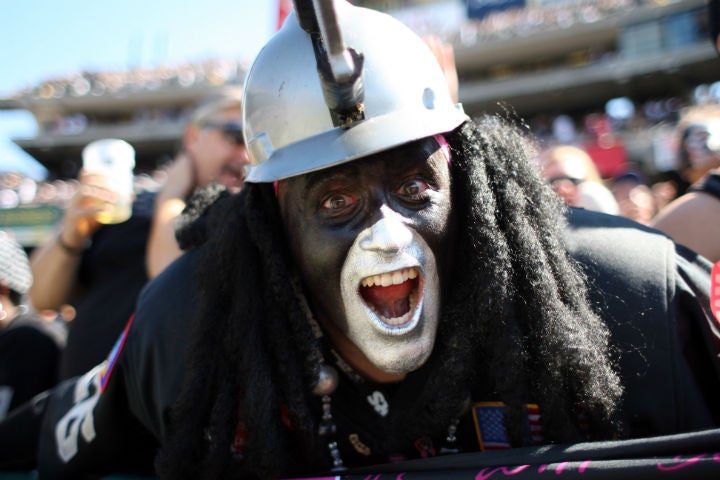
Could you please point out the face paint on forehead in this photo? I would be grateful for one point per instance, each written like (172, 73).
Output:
(439, 138)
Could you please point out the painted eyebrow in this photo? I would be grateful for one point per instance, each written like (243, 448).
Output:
(320, 177)
(400, 163)
(430, 166)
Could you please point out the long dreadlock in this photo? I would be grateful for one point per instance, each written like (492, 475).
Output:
(515, 319)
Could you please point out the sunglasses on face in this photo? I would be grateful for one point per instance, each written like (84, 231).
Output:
(230, 131)
(555, 180)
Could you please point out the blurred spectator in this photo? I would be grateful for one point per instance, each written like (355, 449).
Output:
(29, 347)
(8, 198)
(563, 129)
(214, 151)
(100, 269)
(9, 184)
(634, 197)
(698, 150)
(663, 192)
(18, 190)
(604, 146)
(574, 177)
(46, 193)
(27, 190)
(694, 218)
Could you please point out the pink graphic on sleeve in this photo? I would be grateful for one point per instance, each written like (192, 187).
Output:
(681, 463)
(715, 291)
(485, 473)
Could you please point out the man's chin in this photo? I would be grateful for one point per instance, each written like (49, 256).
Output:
(399, 360)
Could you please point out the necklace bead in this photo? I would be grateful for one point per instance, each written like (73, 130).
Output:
(326, 382)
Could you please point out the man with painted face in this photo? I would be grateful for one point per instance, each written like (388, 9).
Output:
(393, 283)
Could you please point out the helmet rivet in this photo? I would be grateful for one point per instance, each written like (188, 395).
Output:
(429, 98)
(260, 147)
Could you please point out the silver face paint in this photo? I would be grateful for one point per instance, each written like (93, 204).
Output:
(388, 246)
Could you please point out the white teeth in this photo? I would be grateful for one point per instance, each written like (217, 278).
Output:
(393, 278)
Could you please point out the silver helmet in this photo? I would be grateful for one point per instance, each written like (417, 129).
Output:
(288, 127)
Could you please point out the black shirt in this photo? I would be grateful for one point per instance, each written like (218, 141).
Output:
(652, 293)
(110, 277)
(710, 184)
(29, 355)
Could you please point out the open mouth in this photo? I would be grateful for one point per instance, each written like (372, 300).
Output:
(393, 296)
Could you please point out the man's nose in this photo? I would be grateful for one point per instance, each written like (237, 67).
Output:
(388, 235)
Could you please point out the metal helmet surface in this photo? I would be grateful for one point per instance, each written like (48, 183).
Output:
(288, 126)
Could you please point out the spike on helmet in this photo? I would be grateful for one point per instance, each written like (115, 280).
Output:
(288, 126)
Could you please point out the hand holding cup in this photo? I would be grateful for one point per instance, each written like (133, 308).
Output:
(108, 166)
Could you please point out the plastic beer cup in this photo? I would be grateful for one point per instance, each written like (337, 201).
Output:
(114, 160)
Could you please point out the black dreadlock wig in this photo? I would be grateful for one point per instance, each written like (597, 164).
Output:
(516, 319)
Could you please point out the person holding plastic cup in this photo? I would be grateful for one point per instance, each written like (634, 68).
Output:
(97, 262)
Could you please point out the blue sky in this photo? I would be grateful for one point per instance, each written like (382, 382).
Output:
(44, 39)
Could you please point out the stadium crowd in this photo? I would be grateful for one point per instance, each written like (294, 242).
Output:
(640, 183)
(651, 123)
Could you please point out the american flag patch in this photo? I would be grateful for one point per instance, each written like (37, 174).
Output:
(489, 418)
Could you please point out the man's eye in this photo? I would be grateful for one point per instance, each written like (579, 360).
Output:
(413, 188)
(337, 202)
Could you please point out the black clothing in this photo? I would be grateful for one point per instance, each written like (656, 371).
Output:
(652, 293)
(654, 296)
(29, 355)
(110, 277)
(710, 184)
(681, 456)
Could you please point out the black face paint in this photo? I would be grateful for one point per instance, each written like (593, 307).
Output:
(386, 218)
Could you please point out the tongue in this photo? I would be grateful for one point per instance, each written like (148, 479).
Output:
(392, 301)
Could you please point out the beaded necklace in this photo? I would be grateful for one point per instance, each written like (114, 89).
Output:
(327, 380)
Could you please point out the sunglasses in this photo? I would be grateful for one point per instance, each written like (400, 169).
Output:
(555, 180)
(230, 131)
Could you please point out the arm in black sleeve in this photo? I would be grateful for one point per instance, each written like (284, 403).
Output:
(112, 419)
(653, 295)
(698, 330)
(89, 429)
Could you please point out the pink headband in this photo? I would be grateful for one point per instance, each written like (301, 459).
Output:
(439, 138)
